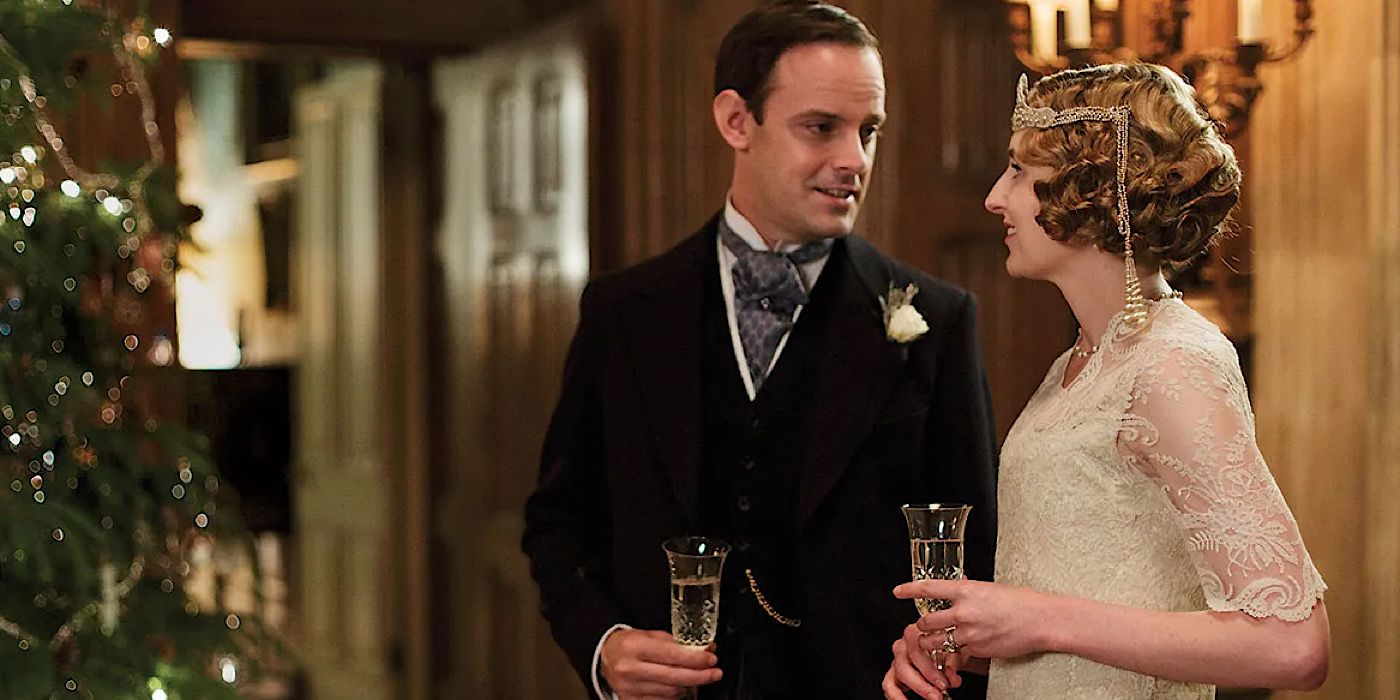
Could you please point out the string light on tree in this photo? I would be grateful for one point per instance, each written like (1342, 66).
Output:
(228, 670)
(94, 528)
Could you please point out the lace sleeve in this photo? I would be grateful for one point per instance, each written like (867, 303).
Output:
(1189, 427)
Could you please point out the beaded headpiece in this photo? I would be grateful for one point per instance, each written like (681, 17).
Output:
(1028, 117)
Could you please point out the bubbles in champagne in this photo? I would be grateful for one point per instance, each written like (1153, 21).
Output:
(938, 559)
(928, 605)
(695, 610)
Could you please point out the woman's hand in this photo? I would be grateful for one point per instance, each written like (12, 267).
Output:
(987, 620)
(997, 621)
(918, 670)
(915, 669)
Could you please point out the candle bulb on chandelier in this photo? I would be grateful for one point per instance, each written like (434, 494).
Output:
(1249, 22)
(1077, 26)
(1043, 29)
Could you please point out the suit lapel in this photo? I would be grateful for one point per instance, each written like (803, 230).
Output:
(663, 338)
(857, 373)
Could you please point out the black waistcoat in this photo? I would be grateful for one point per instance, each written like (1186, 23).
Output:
(751, 465)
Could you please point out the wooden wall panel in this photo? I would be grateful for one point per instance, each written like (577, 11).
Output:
(408, 26)
(1382, 519)
(512, 272)
(404, 391)
(1322, 178)
(952, 88)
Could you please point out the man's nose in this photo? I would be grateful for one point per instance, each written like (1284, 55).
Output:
(853, 156)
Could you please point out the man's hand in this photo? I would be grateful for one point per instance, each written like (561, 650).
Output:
(644, 664)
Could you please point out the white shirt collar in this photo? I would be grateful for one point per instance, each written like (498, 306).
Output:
(746, 231)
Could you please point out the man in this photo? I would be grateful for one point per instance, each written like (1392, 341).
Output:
(746, 385)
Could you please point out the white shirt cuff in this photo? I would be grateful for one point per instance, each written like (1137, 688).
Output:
(597, 657)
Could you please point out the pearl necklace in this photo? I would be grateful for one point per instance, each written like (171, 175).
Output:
(1080, 353)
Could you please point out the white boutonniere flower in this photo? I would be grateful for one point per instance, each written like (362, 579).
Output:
(903, 323)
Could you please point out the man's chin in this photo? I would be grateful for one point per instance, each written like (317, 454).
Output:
(832, 229)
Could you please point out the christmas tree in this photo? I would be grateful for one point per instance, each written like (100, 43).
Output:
(104, 505)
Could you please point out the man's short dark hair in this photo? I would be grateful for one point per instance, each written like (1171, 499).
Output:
(753, 45)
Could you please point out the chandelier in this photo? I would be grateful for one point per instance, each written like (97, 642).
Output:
(1050, 35)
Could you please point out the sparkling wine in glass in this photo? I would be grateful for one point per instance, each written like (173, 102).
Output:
(935, 545)
(696, 566)
(935, 550)
(695, 610)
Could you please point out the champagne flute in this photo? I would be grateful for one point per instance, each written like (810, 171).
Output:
(935, 550)
(696, 566)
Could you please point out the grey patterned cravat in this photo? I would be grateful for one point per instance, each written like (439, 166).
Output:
(767, 292)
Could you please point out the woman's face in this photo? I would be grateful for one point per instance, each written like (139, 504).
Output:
(1031, 254)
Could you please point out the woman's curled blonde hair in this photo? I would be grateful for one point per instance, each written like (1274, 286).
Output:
(1182, 178)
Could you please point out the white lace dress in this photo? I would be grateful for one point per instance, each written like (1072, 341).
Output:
(1141, 484)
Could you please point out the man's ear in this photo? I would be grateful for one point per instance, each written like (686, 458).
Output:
(733, 119)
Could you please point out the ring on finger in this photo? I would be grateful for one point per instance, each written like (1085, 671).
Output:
(950, 642)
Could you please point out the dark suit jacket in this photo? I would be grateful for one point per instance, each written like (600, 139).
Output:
(891, 424)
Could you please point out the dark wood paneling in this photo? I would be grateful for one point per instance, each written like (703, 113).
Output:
(414, 26)
(409, 157)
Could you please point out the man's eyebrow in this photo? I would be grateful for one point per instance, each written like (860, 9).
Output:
(820, 114)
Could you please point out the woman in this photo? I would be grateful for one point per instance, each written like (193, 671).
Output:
(1144, 550)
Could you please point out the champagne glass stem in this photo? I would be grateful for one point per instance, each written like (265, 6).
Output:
(938, 663)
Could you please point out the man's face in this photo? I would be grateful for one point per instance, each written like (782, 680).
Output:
(806, 168)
